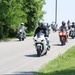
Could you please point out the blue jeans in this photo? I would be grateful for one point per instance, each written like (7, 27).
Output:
(48, 41)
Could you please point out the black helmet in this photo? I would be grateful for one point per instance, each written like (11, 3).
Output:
(40, 24)
(63, 23)
(73, 23)
(22, 23)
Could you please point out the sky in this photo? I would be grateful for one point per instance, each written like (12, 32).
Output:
(65, 11)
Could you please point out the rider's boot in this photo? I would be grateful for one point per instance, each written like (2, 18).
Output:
(48, 48)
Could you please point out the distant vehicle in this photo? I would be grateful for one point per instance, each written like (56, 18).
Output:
(72, 33)
(63, 35)
(21, 35)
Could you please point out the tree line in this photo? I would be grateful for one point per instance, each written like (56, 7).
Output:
(14, 12)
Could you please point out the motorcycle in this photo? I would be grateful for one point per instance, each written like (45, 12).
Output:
(62, 35)
(40, 44)
(21, 35)
(72, 33)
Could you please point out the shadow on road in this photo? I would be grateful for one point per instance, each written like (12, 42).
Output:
(22, 73)
(57, 44)
(70, 38)
(14, 40)
(57, 72)
(33, 55)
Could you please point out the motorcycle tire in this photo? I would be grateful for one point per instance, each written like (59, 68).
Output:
(63, 42)
(72, 36)
(45, 52)
(39, 51)
(22, 39)
(19, 39)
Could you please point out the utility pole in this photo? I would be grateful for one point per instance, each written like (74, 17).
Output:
(56, 11)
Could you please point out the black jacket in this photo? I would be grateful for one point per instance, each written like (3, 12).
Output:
(63, 27)
(43, 29)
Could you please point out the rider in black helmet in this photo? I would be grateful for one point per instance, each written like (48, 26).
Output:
(40, 27)
(43, 28)
(63, 28)
(63, 23)
(73, 25)
(23, 28)
(68, 24)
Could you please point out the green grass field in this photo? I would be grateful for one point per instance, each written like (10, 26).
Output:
(62, 65)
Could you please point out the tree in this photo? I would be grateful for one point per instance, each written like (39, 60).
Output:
(13, 12)
(34, 11)
(11, 15)
(4, 8)
(16, 15)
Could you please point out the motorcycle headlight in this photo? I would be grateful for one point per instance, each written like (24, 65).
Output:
(60, 33)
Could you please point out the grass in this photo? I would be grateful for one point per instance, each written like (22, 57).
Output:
(30, 34)
(62, 65)
(27, 35)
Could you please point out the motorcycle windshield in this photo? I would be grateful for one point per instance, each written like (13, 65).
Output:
(40, 34)
(63, 30)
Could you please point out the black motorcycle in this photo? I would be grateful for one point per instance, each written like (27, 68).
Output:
(72, 33)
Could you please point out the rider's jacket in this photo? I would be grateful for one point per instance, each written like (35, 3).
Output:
(73, 26)
(63, 28)
(42, 29)
(23, 28)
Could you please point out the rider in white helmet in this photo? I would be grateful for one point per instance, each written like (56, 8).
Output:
(23, 28)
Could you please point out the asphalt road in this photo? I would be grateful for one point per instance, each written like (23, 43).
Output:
(19, 57)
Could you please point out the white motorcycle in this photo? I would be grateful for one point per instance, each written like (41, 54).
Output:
(21, 35)
(40, 44)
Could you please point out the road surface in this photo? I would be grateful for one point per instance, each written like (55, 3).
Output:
(19, 57)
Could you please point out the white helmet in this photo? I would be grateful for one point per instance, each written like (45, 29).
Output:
(22, 23)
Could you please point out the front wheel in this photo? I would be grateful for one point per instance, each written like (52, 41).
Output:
(72, 36)
(38, 51)
(22, 39)
(19, 39)
(63, 41)
(45, 52)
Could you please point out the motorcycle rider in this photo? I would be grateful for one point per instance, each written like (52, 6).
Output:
(73, 25)
(69, 24)
(48, 28)
(53, 26)
(64, 27)
(44, 29)
(23, 28)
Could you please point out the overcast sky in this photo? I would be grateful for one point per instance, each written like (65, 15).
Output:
(65, 11)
